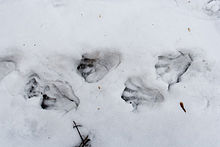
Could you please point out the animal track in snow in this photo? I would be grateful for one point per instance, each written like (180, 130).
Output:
(212, 8)
(6, 67)
(57, 95)
(94, 66)
(171, 68)
(136, 93)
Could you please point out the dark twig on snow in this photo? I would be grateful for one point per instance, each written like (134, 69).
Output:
(76, 126)
(182, 106)
(85, 142)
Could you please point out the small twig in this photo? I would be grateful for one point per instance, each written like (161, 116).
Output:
(182, 106)
(85, 141)
(76, 126)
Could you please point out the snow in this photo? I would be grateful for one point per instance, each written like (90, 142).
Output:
(49, 37)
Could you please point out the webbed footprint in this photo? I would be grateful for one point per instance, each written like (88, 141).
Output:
(94, 66)
(57, 95)
(171, 68)
(136, 93)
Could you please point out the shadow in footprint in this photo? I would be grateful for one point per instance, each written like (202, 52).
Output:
(171, 68)
(32, 87)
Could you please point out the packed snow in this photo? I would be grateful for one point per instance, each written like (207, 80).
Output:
(109, 73)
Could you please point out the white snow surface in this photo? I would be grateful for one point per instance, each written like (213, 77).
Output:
(49, 37)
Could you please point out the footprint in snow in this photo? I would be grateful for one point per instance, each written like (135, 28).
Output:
(136, 93)
(94, 66)
(171, 68)
(212, 8)
(56, 95)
